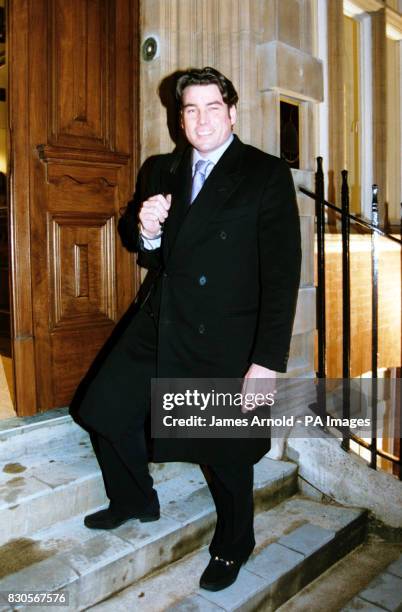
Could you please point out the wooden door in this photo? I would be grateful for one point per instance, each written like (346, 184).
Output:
(73, 157)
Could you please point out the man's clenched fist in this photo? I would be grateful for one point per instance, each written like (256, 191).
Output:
(153, 213)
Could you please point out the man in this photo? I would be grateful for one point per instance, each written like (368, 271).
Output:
(217, 227)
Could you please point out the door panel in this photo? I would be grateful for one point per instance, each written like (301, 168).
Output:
(82, 275)
(82, 109)
(81, 35)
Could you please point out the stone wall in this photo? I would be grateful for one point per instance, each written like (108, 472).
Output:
(266, 48)
(327, 471)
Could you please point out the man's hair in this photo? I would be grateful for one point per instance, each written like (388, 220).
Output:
(207, 76)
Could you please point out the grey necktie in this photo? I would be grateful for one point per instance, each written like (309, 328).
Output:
(199, 177)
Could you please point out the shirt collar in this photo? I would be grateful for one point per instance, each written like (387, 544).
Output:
(212, 156)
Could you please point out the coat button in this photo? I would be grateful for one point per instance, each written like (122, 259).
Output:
(223, 235)
(201, 328)
(202, 280)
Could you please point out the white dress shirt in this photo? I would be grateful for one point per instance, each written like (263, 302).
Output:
(213, 156)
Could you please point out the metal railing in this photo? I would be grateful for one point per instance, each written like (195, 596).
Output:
(376, 232)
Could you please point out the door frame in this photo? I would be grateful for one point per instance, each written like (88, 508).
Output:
(21, 305)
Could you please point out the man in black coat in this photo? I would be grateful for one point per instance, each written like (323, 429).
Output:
(217, 226)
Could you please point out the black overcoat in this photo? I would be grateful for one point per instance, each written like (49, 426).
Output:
(223, 286)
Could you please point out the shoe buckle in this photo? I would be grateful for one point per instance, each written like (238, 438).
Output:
(223, 561)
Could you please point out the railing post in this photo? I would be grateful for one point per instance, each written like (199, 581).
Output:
(321, 322)
(320, 215)
(345, 304)
(374, 325)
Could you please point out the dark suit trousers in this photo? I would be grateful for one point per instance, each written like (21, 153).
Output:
(124, 381)
(231, 488)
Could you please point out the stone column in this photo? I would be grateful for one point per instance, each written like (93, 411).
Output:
(287, 67)
(379, 59)
(336, 162)
(394, 130)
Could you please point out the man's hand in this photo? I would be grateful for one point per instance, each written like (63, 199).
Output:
(153, 213)
(257, 380)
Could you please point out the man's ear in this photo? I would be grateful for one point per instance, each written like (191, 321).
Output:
(232, 114)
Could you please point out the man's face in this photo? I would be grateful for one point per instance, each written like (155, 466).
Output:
(206, 119)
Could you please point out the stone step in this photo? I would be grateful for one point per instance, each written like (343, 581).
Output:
(59, 482)
(296, 541)
(382, 593)
(342, 582)
(92, 565)
(22, 436)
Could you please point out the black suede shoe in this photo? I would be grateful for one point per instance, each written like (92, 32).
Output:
(219, 574)
(112, 517)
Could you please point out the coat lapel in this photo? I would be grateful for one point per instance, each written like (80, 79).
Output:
(180, 189)
(188, 223)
